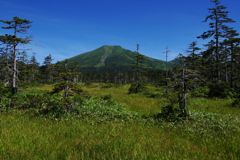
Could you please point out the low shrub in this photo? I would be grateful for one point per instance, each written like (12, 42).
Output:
(136, 88)
(102, 109)
(169, 113)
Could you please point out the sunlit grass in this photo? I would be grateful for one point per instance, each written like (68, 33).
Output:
(220, 106)
(23, 137)
(45, 88)
(135, 102)
(212, 136)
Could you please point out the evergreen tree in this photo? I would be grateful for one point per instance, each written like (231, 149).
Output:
(5, 62)
(66, 82)
(231, 54)
(33, 68)
(19, 26)
(137, 67)
(219, 30)
(192, 60)
(48, 69)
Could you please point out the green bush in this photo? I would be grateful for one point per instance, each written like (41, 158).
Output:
(169, 113)
(136, 88)
(5, 91)
(236, 101)
(111, 85)
(102, 109)
(220, 90)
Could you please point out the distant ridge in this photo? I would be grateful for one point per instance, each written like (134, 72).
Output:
(113, 58)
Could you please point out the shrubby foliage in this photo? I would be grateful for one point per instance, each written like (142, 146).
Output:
(220, 90)
(92, 109)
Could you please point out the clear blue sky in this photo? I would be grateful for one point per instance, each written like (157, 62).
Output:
(65, 28)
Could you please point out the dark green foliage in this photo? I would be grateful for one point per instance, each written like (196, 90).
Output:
(11, 42)
(111, 85)
(67, 83)
(220, 90)
(236, 96)
(4, 90)
(106, 97)
(40, 103)
(48, 69)
(236, 102)
(217, 54)
(199, 92)
(173, 111)
(134, 88)
(93, 110)
(137, 64)
(169, 113)
(58, 87)
(33, 100)
(103, 109)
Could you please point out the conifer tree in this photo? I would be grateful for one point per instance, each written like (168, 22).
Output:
(219, 30)
(19, 26)
(137, 67)
(66, 82)
(232, 48)
(5, 62)
(33, 68)
(193, 58)
(48, 69)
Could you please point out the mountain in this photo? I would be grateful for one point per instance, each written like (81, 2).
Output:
(113, 58)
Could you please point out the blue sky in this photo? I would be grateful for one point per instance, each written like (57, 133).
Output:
(65, 28)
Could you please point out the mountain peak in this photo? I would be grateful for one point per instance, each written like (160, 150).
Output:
(113, 58)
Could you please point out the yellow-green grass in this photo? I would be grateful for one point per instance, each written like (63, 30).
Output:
(25, 137)
(149, 106)
(45, 88)
(134, 102)
(219, 106)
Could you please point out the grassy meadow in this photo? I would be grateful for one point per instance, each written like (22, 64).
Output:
(211, 132)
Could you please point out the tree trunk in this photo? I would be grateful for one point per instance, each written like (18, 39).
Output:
(14, 74)
(183, 100)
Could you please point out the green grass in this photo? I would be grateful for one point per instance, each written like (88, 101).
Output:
(211, 133)
(134, 102)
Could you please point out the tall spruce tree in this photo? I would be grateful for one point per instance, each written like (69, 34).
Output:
(231, 48)
(137, 67)
(219, 31)
(33, 68)
(48, 69)
(19, 26)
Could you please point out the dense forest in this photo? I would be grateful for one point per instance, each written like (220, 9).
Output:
(68, 90)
